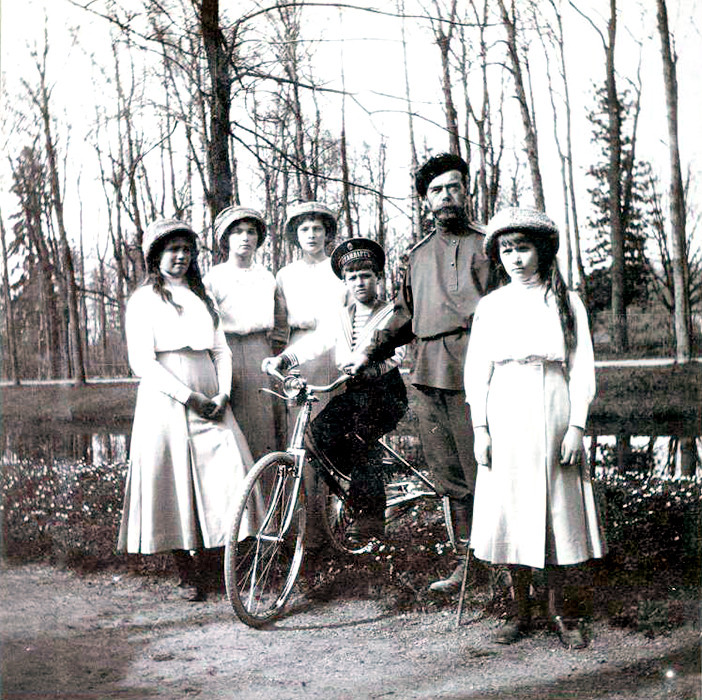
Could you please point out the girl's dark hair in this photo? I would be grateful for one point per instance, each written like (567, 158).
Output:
(329, 227)
(192, 276)
(223, 253)
(551, 276)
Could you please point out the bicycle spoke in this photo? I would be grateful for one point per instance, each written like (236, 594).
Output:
(261, 570)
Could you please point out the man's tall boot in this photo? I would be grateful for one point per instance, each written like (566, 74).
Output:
(458, 523)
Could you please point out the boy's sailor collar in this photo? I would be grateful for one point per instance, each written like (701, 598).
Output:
(352, 305)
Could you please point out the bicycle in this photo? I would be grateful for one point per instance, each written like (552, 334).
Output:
(265, 548)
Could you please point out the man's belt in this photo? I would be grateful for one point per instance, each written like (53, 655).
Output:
(456, 331)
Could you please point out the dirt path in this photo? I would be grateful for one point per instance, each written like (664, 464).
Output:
(111, 636)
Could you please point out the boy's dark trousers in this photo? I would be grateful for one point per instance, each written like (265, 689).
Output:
(348, 428)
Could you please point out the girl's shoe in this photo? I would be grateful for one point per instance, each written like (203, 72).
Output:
(511, 631)
(191, 592)
(571, 638)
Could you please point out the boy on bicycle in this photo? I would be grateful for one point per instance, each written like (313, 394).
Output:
(374, 400)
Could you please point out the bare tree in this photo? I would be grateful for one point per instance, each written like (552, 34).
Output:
(683, 331)
(414, 164)
(346, 185)
(40, 97)
(29, 184)
(288, 30)
(10, 336)
(480, 112)
(443, 27)
(665, 278)
(509, 21)
(620, 340)
(219, 59)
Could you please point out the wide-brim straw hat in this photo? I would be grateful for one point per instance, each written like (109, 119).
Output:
(231, 215)
(519, 219)
(164, 228)
(356, 249)
(310, 209)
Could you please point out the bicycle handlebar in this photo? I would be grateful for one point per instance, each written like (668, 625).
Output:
(295, 383)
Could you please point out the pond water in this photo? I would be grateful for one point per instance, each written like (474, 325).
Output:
(51, 442)
(97, 444)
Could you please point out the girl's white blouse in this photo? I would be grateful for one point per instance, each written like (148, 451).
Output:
(245, 297)
(154, 325)
(519, 323)
(312, 292)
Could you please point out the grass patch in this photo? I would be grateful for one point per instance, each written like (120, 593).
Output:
(630, 400)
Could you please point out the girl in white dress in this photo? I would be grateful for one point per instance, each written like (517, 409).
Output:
(312, 295)
(529, 380)
(311, 290)
(187, 454)
(253, 318)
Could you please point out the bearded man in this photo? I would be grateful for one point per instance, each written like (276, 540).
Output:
(446, 276)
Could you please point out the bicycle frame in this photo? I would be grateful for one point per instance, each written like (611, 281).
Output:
(405, 492)
(306, 397)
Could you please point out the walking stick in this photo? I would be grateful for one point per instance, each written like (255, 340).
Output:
(463, 588)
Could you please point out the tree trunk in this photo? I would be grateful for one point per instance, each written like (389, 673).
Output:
(620, 339)
(76, 343)
(12, 365)
(443, 39)
(345, 183)
(530, 138)
(219, 167)
(577, 253)
(678, 247)
(414, 164)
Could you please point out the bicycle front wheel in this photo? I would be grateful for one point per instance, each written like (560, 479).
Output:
(266, 543)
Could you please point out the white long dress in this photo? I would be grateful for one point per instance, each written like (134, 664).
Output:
(313, 295)
(183, 470)
(521, 385)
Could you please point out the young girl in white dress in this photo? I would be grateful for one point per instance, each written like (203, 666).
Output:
(311, 290)
(312, 295)
(187, 454)
(253, 318)
(529, 380)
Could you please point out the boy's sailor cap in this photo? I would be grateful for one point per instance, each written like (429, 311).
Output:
(516, 220)
(356, 249)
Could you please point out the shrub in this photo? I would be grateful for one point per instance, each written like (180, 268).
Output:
(653, 524)
(69, 513)
(61, 510)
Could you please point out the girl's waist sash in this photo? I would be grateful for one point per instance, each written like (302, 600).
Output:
(534, 360)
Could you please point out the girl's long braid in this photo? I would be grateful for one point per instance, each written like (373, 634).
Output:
(194, 279)
(557, 285)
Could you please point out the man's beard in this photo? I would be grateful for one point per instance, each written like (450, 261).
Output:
(449, 215)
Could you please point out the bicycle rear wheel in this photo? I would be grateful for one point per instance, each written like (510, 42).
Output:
(266, 544)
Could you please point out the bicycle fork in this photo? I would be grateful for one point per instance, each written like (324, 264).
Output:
(276, 522)
(268, 530)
